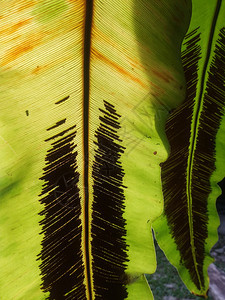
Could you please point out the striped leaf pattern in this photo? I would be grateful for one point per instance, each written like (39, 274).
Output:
(86, 87)
(191, 173)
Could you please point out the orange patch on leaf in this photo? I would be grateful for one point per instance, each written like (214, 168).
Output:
(26, 4)
(15, 27)
(20, 24)
(117, 67)
(18, 51)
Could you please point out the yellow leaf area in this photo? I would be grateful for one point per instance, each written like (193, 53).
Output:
(42, 63)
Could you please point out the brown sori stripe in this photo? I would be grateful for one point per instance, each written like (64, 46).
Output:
(61, 257)
(174, 170)
(62, 100)
(210, 119)
(57, 124)
(108, 225)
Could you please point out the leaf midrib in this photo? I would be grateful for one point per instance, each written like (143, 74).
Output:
(86, 99)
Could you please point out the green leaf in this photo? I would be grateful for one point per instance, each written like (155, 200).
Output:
(188, 229)
(86, 87)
